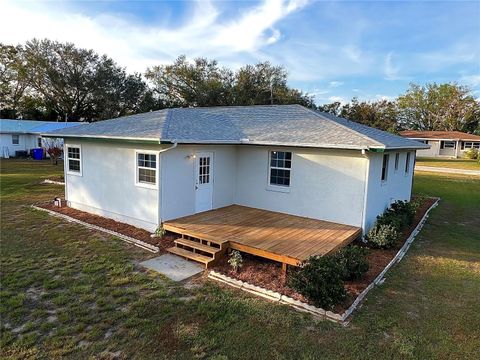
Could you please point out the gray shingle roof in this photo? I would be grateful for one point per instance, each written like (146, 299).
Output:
(19, 126)
(289, 125)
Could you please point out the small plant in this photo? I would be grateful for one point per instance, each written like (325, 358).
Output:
(473, 154)
(400, 214)
(353, 260)
(236, 260)
(160, 232)
(320, 280)
(382, 236)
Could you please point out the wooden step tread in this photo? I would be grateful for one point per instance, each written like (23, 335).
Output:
(190, 255)
(194, 234)
(197, 245)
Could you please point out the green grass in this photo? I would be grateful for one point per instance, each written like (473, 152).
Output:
(464, 164)
(71, 292)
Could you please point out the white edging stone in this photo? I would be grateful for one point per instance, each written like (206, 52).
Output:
(300, 305)
(47, 181)
(123, 237)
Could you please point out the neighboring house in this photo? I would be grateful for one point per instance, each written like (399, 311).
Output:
(443, 143)
(150, 168)
(24, 135)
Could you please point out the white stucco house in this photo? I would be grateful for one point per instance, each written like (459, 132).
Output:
(149, 168)
(443, 143)
(24, 135)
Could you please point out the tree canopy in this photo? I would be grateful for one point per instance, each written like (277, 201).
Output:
(49, 80)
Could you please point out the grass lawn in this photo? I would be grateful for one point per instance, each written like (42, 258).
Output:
(71, 292)
(449, 163)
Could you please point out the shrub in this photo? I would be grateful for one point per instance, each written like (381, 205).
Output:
(400, 214)
(382, 236)
(319, 279)
(353, 260)
(473, 154)
(236, 260)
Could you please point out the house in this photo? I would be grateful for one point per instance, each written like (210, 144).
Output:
(443, 143)
(24, 135)
(264, 169)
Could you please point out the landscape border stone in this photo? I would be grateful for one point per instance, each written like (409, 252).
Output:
(313, 310)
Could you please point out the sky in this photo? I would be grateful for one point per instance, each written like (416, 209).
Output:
(334, 50)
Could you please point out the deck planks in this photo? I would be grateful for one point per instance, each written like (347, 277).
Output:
(282, 237)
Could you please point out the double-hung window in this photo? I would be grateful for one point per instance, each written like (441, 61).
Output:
(74, 160)
(386, 158)
(471, 145)
(15, 139)
(397, 158)
(280, 167)
(39, 142)
(407, 163)
(447, 145)
(146, 168)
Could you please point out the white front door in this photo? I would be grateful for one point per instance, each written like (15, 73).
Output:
(203, 181)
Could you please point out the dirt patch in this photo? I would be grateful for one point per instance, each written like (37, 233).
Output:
(56, 178)
(140, 234)
(268, 274)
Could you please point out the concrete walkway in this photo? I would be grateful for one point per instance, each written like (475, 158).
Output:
(173, 267)
(448, 170)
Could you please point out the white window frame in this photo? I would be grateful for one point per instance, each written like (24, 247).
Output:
(408, 160)
(157, 161)
(275, 187)
(18, 139)
(471, 145)
(387, 156)
(67, 158)
(451, 144)
(39, 142)
(397, 161)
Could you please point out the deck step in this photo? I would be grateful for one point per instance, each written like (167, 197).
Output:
(193, 234)
(196, 245)
(190, 255)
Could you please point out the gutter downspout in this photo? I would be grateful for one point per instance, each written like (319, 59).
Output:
(160, 180)
(365, 191)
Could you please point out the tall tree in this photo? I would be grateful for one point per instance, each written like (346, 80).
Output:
(80, 84)
(439, 107)
(200, 83)
(380, 114)
(203, 83)
(13, 79)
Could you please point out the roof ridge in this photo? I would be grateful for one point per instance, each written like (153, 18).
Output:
(319, 114)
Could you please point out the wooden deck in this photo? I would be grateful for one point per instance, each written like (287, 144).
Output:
(285, 238)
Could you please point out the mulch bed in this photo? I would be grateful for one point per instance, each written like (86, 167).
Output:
(140, 234)
(268, 274)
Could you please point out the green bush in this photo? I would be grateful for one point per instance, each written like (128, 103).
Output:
(319, 279)
(382, 236)
(473, 154)
(399, 215)
(353, 260)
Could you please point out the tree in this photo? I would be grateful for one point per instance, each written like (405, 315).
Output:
(13, 79)
(53, 148)
(380, 114)
(203, 83)
(439, 107)
(80, 84)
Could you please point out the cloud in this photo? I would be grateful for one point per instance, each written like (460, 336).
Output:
(470, 80)
(335, 83)
(390, 70)
(136, 45)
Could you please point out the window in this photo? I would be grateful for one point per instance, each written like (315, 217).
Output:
(386, 158)
(15, 139)
(204, 170)
(397, 158)
(407, 163)
(74, 159)
(280, 165)
(471, 145)
(146, 168)
(447, 145)
(39, 142)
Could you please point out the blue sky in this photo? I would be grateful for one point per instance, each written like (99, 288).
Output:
(333, 50)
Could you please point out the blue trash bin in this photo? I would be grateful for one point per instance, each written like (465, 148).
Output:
(38, 154)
